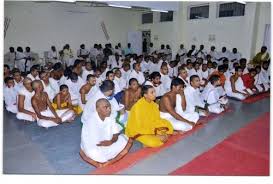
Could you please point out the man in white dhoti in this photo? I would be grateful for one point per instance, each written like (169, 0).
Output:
(68, 56)
(192, 52)
(46, 114)
(34, 74)
(145, 64)
(193, 97)
(10, 57)
(261, 80)
(88, 90)
(48, 88)
(214, 54)
(10, 95)
(25, 109)
(183, 75)
(106, 90)
(234, 86)
(20, 59)
(136, 73)
(119, 80)
(82, 52)
(114, 61)
(102, 142)
(234, 56)
(168, 104)
(173, 69)
(201, 53)
(210, 95)
(87, 70)
(165, 79)
(29, 58)
(182, 53)
(74, 84)
(222, 55)
(18, 79)
(53, 55)
(125, 71)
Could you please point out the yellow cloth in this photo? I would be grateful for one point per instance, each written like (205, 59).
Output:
(144, 119)
(77, 108)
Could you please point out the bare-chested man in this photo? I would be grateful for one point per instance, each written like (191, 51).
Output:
(46, 114)
(168, 105)
(88, 90)
(132, 94)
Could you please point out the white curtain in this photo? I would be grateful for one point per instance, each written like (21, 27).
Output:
(267, 37)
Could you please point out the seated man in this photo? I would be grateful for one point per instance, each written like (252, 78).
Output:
(144, 122)
(261, 57)
(44, 76)
(261, 82)
(167, 107)
(63, 101)
(131, 95)
(165, 79)
(88, 90)
(101, 140)
(156, 83)
(10, 95)
(234, 86)
(18, 79)
(25, 109)
(34, 73)
(249, 80)
(46, 114)
(193, 97)
(183, 75)
(106, 91)
(216, 103)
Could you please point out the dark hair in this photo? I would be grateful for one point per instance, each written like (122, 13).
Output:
(19, 49)
(154, 75)
(34, 67)
(63, 86)
(7, 79)
(109, 72)
(89, 76)
(214, 78)
(7, 66)
(252, 70)
(132, 80)
(77, 62)
(237, 68)
(73, 76)
(107, 85)
(15, 70)
(177, 82)
(57, 66)
(11, 49)
(145, 88)
(67, 71)
(221, 68)
(193, 77)
(243, 60)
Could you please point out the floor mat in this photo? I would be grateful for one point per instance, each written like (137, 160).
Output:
(244, 153)
(256, 98)
(132, 158)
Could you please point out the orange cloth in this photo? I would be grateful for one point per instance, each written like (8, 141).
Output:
(222, 77)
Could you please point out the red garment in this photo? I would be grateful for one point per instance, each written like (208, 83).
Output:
(248, 80)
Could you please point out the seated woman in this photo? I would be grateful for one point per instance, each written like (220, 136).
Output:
(235, 86)
(131, 95)
(63, 101)
(144, 122)
(25, 109)
(102, 142)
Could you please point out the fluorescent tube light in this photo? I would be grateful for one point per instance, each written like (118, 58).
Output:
(119, 6)
(155, 10)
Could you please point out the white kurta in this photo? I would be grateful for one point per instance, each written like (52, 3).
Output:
(145, 66)
(166, 83)
(20, 61)
(10, 98)
(65, 115)
(85, 73)
(121, 83)
(96, 130)
(49, 90)
(74, 89)
(139, 76)
(27, 105)
(211, 96)
(125, 74)
(82, 52)
(159, 90)
(193, 99)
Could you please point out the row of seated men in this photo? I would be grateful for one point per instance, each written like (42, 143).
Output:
(53, 96)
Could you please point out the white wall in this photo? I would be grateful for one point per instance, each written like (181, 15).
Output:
(41, 25)
(229, 31)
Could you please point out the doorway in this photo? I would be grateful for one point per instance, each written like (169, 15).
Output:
(146, 35)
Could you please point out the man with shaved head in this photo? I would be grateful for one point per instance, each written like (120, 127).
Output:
(46, 114)
(25, 109)
(102, 142)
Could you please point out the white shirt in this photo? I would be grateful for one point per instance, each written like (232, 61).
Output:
(74, 88)
(113, 62)
(180, 52)
(159, 90)
(166, 83)
(202, 54)
(193, 98)
(125, 74)
(210, 94)
(122, 83)
(32, 77)
(139, 76)
(237, 56)
(52, 55)
(10, 95)
(85, 73)
(28, 95)
(145, 66)
(82, 52)
(49, 90)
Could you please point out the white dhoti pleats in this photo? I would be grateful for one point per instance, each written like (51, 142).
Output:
(24, 116)
(105, 153)
(177, 125)
(64, 114)
(12, 108)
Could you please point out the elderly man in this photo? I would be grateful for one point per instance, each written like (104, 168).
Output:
(101, 141)
(46, 114)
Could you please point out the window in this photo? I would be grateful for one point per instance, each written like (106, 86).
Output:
(199, 12)
(166, 17)
(147, 18)
(231, 9)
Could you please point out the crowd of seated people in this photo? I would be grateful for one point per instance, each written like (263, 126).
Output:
(122, 96)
